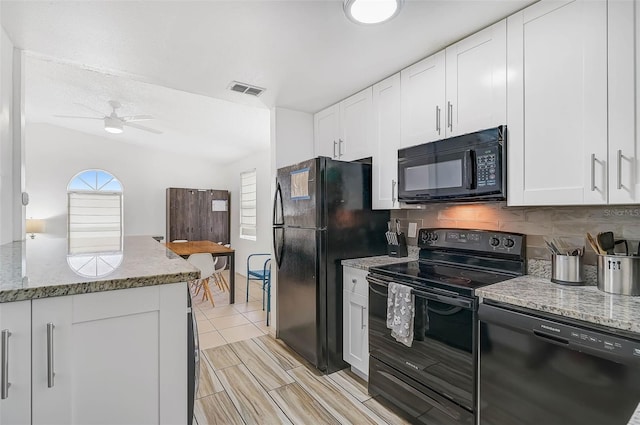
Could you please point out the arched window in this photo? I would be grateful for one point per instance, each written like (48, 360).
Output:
(95, 213)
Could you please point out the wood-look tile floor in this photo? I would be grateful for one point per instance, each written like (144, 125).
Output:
(249, 377)
(261, 381)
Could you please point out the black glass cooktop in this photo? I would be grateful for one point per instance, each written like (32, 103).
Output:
(442, 275)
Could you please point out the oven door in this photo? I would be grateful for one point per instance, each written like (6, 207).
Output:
(441, 356)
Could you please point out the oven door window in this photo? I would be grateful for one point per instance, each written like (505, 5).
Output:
(438, 175)
(441, 354)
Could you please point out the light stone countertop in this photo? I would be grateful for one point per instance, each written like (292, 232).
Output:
(382, 260)
(586, 303)
(42, 267)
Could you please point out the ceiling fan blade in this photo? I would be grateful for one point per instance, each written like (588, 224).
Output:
(102, 114)
(141, 127)
(75, 116)
(138, 118)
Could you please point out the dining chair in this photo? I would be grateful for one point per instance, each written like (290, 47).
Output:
(219, 267)
(203, 262)
(257, 273)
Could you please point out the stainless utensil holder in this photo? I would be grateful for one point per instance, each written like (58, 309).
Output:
(619, 274)
(567, 269)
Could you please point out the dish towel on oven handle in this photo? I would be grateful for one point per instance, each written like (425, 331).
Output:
(400, 312)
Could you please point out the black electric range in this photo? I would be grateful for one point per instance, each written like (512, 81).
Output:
(434, 380)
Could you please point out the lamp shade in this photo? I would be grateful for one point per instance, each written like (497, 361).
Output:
(35, 225)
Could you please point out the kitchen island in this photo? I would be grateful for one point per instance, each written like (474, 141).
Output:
(93, 336)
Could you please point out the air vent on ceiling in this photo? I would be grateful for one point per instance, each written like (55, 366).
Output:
(246, 88)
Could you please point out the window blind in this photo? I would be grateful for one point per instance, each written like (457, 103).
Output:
(248, 196)
(95, 222)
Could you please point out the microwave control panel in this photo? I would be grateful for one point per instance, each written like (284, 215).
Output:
(487, 162)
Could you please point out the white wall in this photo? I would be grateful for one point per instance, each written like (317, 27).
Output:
(291, 142)
(54, 155)
(261, 162)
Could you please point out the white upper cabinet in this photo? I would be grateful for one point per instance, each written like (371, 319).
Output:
(476, 85)
(343, 131)
(326, 131)
(458, 90)
(386, 138)
(423, 101)
(557, 104)
(624, 101)
(356, 123)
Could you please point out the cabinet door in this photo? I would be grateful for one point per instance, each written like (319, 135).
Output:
(476, 85)
(356, 341)
(182, 214)
(624, 101)
(356, 121)
(423, 101)
(215, 223)
(117, 357)
(326, 131)
(386, 138)
(15, 334)
(557, 104)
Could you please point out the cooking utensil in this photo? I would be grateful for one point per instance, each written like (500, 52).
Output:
(594, 244)
(606, 242)
(626, 245)
(552, 247)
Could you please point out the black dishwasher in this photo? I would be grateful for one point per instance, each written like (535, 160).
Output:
(543, 369)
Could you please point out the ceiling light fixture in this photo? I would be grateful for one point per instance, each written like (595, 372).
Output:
(112, 125)
(371, 11)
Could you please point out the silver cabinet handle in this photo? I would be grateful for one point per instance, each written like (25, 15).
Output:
(393, 189)
(438, 119)
(50, 372)
(340, 142)
(619, 169)
(450, 115)
(4, 387)
(362, 318)
(334, 148)
(593, 172)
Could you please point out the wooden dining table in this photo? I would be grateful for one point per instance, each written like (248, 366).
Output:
(185, 249)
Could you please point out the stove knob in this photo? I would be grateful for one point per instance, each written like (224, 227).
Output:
(494, 241)
(509, 243)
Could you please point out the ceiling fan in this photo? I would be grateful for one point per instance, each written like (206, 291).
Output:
(113, 123)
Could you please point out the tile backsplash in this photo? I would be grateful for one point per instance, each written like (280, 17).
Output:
(569, 223)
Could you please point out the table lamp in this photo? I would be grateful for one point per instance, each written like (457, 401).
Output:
(34, 225)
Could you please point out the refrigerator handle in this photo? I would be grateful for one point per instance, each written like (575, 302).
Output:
(278, 220)
(277, 248)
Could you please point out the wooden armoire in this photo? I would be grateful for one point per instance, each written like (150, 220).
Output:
(198, 214)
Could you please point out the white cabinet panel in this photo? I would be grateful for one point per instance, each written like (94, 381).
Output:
(557, 85)
(355, 319)
(356, 125)
(624, 101)
(116, 357)
(476, 81)
(423, 97)
(326, 131)
(386, 137)
(344, 131)
(15, 326)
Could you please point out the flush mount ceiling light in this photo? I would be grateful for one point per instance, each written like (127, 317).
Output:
(112, 125)
(371, 11)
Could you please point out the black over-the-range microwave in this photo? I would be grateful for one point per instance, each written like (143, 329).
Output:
(471, 167)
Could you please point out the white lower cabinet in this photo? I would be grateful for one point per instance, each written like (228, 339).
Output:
(355, 319)
(114, 357)
(15, 349)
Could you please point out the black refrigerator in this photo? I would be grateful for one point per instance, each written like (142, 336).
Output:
(321, 215)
